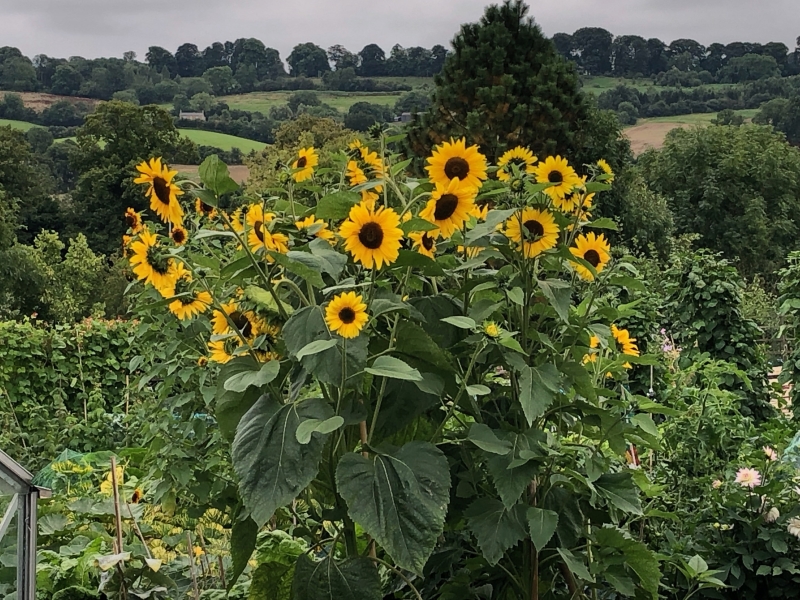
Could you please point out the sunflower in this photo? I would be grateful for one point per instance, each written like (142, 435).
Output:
(533, 229)
(472, 251)
(491, 329)
(519, 156)
(264, 356)
(202, 361)
(179, 235)
(246, 321)
(149, 264)
(355, 174)
(558, 172)
(450, 206)
(162, 192)
(316, 227)
(372, 161)
(354, 148)
(369, 198)
(625, 343)
(346, 314)
(133, 220)
(303, 167)
(258, 234)
(220, 351)
(606, 168)
(425, 242)
(201, 208)
(593, 249)
(594, 342)
(372, 237)
(453, 160)
(191, 302)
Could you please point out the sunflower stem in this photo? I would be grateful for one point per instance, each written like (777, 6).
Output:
(478, 349)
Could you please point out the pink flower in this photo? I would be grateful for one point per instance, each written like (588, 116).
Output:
(771, 454)
(749, 478)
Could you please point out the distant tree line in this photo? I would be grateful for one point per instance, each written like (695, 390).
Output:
(596, 51)
(244, 65)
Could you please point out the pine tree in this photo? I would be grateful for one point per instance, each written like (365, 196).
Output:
(504, 85)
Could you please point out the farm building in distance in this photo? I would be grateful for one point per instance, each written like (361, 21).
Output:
(192, 116)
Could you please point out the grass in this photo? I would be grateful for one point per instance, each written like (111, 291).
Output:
(598, 85)
(696, 119)
(222, 141)
(342, 101)
(23, 125)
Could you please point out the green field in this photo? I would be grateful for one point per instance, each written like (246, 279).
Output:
(598, 85)
(222, 141)
(24, 125)
(342, 101)
(696, 119)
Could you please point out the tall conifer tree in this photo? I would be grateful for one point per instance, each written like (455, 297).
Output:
(503, 85)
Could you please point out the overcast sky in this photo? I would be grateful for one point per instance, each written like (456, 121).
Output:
(92, 28)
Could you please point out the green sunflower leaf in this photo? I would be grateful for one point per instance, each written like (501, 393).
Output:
(215, 176)
(355, 578)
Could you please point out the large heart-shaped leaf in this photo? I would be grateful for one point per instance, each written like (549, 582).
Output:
(620, 490)
(496, 527)
(355, 578)
(272, 466)
(400, 499)
(542, 524)
(537, 390)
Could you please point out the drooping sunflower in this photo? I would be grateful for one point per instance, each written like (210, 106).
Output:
(534, 230)
(372, 162)
(316, 227)
(575, 198)
(450, 206)
(191, 302)
(150, 264)
(369, 198)
(163, 193)
(221, 351)
(558, 172)
(425, 242)
(246, 321)
(606, 168)
(179, 235)
(595, 250)
(625, 343)
(355, 174)
(346, 314)
(258, 234)
(519, 156)
(201, 208)
(453, 160)
(133, 220)
(372, 237)
(303, 167)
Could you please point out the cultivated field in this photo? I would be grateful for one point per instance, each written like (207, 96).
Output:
(342, 101)
(39, 102)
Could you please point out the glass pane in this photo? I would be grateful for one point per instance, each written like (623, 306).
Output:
(9, 560)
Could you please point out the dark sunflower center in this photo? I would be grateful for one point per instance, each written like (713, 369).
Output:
(302, 162)
(520, 162)
(371, 235)
(456, 167)
(130, 220)
(555, 177)
(534, 228)
(206, 208)
(161, 189)
(157, 261)
(592, 257)
(427, 242)
(445, 207)
(179, 236)
(347, 315)
(258, 227)
(242, 323)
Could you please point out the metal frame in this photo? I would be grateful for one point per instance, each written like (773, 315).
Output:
(25, 500)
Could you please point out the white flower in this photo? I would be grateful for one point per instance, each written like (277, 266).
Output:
(771, 454)
(793, 527)
(748, 478)
(772, 515)
(716, 484)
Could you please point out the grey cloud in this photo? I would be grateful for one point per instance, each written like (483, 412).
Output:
(110, 27)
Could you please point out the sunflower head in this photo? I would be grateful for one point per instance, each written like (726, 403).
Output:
(355, 174)
(595, 250)
(316, 227)
(454, 160)
(346, 314)
(491, 329)
(606, 169)
(259, 237)
(425, 242)
(133, 220)
(534, 230)
(179, 235)
(202, 361)
(372, 237)
(150, 264)
(556, 172)
(163, 193)
(519, 157)
(201, 208)
(303, 166)
(450, 206)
